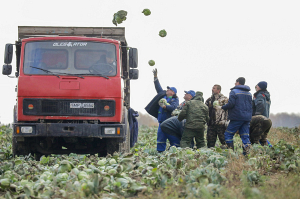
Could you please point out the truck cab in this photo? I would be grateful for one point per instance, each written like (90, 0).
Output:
(73, 91)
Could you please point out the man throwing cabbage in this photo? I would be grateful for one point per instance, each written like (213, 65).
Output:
(161, 107)
(217, 118)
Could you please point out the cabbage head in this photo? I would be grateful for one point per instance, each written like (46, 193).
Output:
(62, 177)
(151, 62)
(146, 12)
(216, 103)
(82, 175)
(4, 183)
(163, 33)
(119, 17)
(112, 161)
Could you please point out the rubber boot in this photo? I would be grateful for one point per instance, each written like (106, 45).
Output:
(230, 145)
(246, 150)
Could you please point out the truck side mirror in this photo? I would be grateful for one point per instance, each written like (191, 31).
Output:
(6, 70)
(133, 74)
(133, 58)
(8, 53)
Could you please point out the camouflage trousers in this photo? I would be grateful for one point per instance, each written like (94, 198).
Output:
(214, 131)
(189, 134)
(259, 132)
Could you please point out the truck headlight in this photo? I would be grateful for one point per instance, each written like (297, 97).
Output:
(26, 129)
(109, 130)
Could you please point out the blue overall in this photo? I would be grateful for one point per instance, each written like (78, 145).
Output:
(243, 127)
(164, 114)
(239, 108)
(161, 136)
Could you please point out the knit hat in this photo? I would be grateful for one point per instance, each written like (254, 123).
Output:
(262, 85)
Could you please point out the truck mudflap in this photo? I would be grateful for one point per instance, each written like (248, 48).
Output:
(69, 130)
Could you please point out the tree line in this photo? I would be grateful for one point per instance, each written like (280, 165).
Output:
(285, 119)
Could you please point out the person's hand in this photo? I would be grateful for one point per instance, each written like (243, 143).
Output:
(218, 107)
(162, 102)
(226, 123)
(155, 72)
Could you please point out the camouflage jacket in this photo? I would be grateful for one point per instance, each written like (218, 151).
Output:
(217, 116)
(195, 112)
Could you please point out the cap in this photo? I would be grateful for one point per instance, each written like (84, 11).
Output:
(262, 85)
(191, 92)
(172, 88)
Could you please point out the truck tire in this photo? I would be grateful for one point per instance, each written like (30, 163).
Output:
(125, 145)
(37, 156)
(14, 139)
(112, 145)
(14, 146)
(18, 148)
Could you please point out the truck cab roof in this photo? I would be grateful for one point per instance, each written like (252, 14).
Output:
(51, 32)
(77, 38)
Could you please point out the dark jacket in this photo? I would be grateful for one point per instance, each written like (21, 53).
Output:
(173, 126)
(133, 125)
(261, 103)
(153, 108)
(239, 105)
(195, 112)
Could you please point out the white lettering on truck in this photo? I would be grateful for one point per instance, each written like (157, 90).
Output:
(70, 44)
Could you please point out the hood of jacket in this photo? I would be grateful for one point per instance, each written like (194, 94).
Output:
(198, 96)
(265, 92)
(242, 87)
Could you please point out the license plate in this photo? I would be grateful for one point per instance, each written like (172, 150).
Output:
(87, 105)
(82, 105)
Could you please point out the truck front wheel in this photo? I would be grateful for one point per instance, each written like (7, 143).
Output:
(123, 145)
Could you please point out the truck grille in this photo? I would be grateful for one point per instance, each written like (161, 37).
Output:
(76, 107)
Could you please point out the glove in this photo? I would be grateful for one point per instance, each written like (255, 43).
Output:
(175, 112)
(226, 123)
(162, 102)
(155, 72)
(218, 107)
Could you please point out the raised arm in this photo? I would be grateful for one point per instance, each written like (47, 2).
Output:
(157, 85)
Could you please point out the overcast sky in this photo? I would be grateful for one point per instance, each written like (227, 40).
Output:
(207, 43)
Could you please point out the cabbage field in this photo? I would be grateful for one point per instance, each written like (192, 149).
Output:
(144, 173)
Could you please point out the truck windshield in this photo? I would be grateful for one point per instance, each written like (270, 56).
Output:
(70, 57)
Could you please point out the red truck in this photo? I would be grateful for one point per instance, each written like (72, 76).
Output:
(73, 90)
